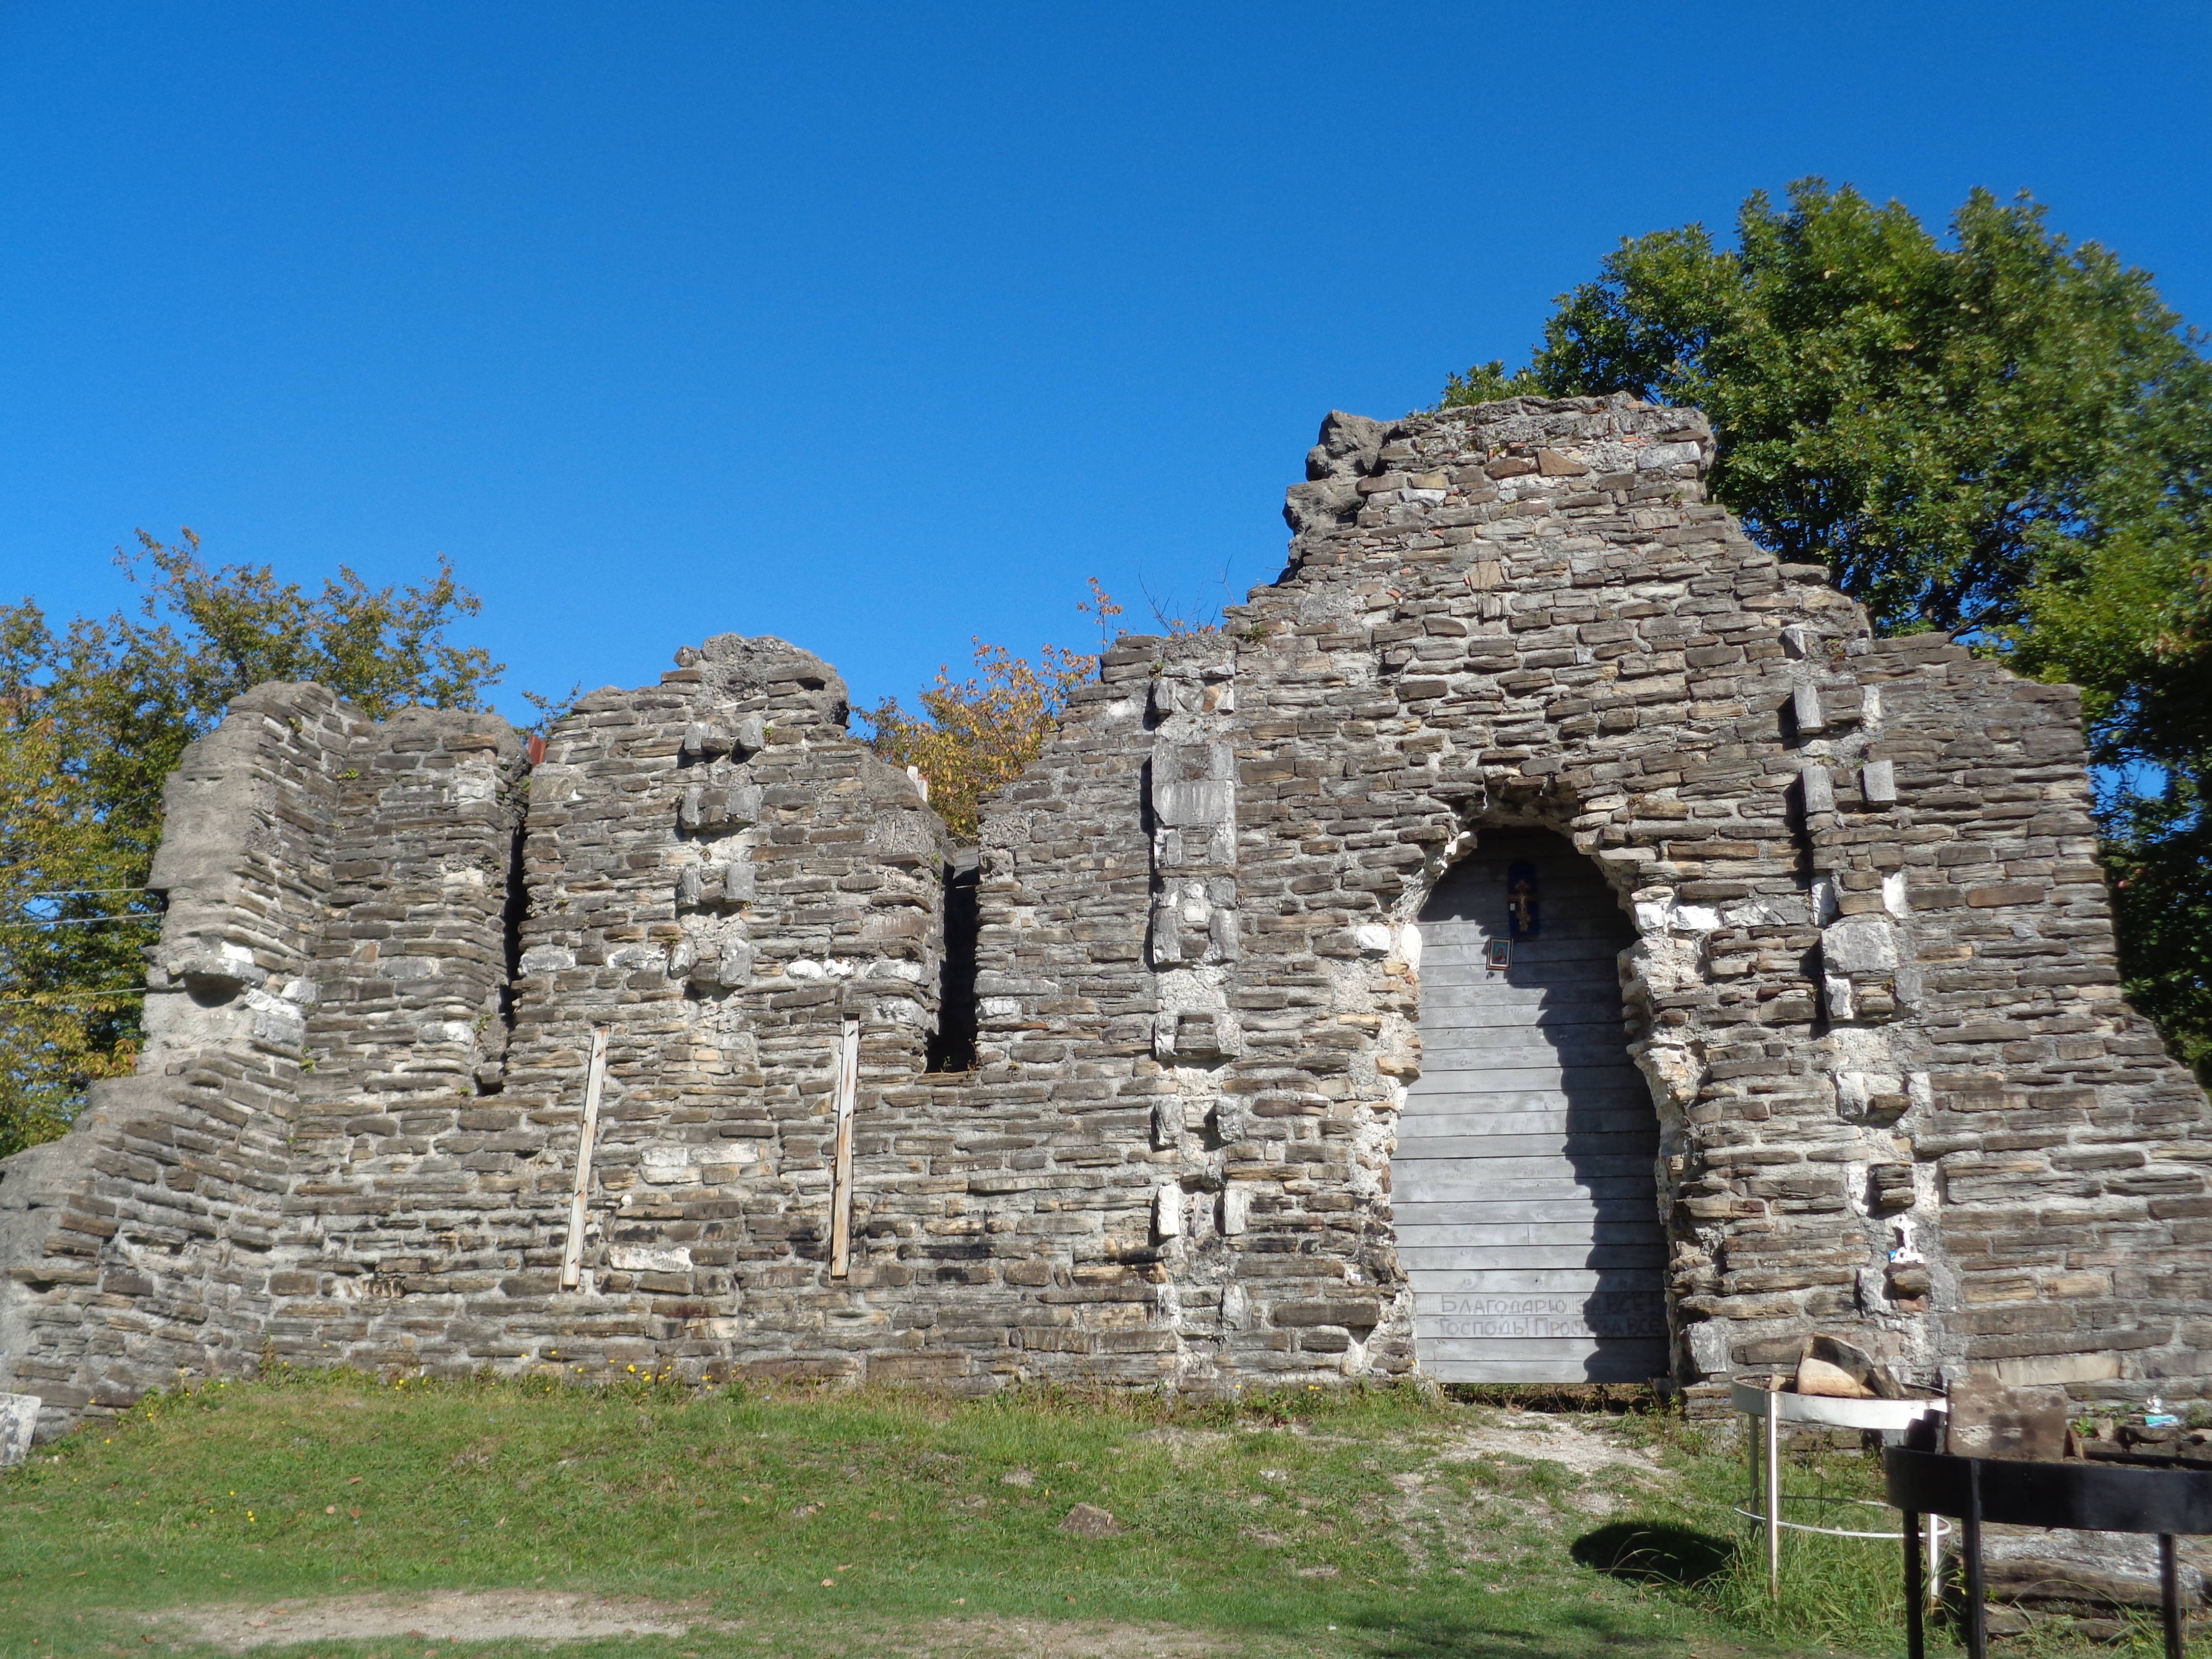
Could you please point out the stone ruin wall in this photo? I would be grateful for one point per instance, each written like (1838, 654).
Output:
(1874, 985)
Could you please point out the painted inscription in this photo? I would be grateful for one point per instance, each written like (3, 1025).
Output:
(1596, 1314)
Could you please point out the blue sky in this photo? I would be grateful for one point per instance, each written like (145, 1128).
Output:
(878, 326)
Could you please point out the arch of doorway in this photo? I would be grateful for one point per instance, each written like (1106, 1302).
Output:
(1532, 1174)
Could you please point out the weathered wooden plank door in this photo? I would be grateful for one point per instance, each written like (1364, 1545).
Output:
(1524, 1186)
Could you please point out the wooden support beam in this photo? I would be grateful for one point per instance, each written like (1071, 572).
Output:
(847, 1071)
(595, 1082)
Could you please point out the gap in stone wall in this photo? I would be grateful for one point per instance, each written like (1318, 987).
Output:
(491, 1079)
(952, 1045)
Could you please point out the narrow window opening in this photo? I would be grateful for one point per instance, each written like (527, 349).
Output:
(953, 1048)
(491, 1076)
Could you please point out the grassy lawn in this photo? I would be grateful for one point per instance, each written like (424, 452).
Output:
(1354, 1523)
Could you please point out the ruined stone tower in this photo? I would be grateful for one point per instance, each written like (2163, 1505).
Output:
(1541, 936)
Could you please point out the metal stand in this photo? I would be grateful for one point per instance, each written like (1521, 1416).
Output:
(2086, 1496)
(1978, 1638)
(1764, 1502)
(1915, 1588)
(1773, 1506)
(1977, 1621)
(2169, 1594)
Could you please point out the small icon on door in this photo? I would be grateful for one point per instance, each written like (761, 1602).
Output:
(1525, 908)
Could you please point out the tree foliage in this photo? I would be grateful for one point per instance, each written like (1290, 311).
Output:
(2002, 433)
(2133, 627)
(973, 737)
(94, 717)
(1489, 383)
(56, 1032)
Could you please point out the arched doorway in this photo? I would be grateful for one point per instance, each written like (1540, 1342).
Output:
(1523, 1187)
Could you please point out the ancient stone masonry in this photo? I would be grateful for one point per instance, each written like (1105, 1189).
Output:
(1894, 1090)
(137, 1246)
(715, 876)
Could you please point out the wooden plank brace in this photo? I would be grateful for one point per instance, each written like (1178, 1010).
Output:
(846, 1069)
(595, 1083)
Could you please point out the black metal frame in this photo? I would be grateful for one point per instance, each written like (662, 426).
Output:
(2143, 1495)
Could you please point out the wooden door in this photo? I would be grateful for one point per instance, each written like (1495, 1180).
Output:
(1524, 1187)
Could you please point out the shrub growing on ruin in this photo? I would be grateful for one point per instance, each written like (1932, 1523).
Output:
(973, 737)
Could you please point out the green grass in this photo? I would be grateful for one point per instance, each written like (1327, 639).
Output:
(1325, 1524)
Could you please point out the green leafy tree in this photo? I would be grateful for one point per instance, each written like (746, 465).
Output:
(2132, 626)
(1938, 421)
(57, 1031)
(95, 717)
(2002, 433)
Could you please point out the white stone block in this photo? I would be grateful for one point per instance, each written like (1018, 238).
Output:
(1805, 707)
(1709, 1346)
(649, 1258)
(1860, 945)
(1167, 1212)
(1236, 1210)
(19, 1421)
(667, 1166)
(1818, 788)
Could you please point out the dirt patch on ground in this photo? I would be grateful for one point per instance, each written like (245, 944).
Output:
(1183, 1444)
(543, 1616)
(453, 1616)
(1538, 1437)
(1024, 1638)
